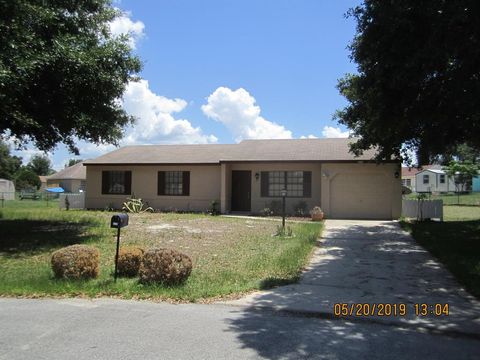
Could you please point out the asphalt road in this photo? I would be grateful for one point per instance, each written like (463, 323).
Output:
(115, 329)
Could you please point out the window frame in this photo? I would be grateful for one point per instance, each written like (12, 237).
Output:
(427, 178)
(288, 182)
(442, 179)
(162, 184)
(107, 179)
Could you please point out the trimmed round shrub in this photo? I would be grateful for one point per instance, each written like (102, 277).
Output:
(165, 266)
(129, 260)
(76, 262)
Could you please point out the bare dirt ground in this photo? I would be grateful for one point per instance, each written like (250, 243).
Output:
(198, 236)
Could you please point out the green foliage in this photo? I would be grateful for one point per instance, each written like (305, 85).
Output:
(462, 153)
(462, 172)
(9, 164)
(284, 232)
(72, 162)
(67, 203)
(417, 86)
(25, 178)
(214, 210)
(135, 205)
(62, 72)
(40, 165)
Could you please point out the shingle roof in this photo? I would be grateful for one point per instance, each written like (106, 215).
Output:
(77, 171)
(407, 171)
(248, 150)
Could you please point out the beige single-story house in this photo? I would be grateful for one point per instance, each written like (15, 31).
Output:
(72, 179)
(246, 177)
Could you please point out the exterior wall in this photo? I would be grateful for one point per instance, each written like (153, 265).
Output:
(258, 202)
(204, 187)
(390, 185)
(434, 184)
(226, 188)
(412, 181)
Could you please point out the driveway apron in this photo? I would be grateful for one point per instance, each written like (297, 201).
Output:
(375, 262)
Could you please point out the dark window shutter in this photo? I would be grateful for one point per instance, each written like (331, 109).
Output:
(161, 183)
(105, 181)
(128, 182)
(307, 184)
(264, 184)
(186, 183)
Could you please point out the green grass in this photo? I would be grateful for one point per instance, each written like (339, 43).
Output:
(455, 242)
(237, 258)
(472, 199)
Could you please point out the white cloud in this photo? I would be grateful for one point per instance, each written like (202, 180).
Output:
(123, 25)
(155, 121)
(334, 132)
(241, 116)
(308, 137)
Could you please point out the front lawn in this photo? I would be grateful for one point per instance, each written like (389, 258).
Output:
(455, 242)
(230, 255)
(471, 199)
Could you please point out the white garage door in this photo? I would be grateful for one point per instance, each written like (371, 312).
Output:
(360, 196)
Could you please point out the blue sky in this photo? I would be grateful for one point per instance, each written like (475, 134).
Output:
(223, 71)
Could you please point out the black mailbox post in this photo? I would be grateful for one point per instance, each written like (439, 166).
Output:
(118, 221)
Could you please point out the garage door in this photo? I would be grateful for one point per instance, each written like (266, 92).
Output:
(360, 196)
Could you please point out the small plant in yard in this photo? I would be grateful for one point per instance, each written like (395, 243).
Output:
(109, 207)
(276, 207)
(284, 232)
(166, 266)
(300, 208)
(214, 210)
(266, 212)
(76, 262)
(135, 205)
(316, 213)
(421, 197)
(129, 261)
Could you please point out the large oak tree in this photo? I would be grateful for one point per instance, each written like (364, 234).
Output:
(418, 80)
(62, 72)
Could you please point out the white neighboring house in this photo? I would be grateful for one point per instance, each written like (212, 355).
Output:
(434, 180)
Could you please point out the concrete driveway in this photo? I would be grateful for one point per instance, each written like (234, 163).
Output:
(375, 262)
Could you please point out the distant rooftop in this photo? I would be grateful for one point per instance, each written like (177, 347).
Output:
(412, 171)
(336, 149)
(77, 172)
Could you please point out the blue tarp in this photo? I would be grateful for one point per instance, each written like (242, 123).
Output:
(55, 190)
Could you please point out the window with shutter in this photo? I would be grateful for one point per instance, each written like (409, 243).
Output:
(174, 183)
(116, 182)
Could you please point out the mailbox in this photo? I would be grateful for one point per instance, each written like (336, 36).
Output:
(119, 221)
